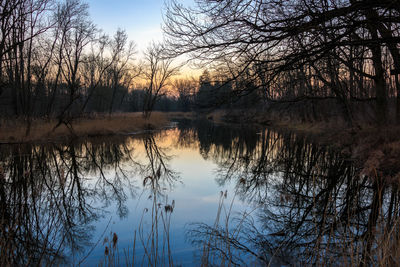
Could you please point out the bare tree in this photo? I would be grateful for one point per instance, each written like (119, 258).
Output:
(21, 23)
(95, 65)
(324, 38)
(122, 69)
(186, 89)
(53, 59)
(77, 33)
(158, 69)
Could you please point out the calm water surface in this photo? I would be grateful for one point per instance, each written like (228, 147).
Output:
(191, 194)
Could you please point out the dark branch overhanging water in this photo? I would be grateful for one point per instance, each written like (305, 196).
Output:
(288, 201)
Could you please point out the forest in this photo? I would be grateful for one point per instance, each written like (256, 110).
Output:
(314, 60)
(254, 132)
(343, 53)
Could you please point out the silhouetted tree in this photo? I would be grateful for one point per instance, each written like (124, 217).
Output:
(157, 71)
(122, 71)
(332, 42)
(205, 94)
(186, 89)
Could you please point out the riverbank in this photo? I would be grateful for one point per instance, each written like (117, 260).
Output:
(374, 149)
(42, 130)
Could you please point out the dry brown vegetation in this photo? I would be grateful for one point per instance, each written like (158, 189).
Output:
(13, 131)
(375, 149)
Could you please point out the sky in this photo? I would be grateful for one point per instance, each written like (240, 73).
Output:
(141, 19)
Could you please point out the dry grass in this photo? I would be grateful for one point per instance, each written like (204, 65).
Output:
(374, 149)
(179, 115)
(217, 116)
(13, 131)
(377, 151)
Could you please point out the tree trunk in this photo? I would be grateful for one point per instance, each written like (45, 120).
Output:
(380, 87)
(397, 99)
(379, 79)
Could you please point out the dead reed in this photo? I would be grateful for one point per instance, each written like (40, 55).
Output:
(223, 243)
(153, 234)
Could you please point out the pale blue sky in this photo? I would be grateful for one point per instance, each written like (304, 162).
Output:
(141, 19)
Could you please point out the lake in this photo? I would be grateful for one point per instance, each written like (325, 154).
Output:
(196, 193)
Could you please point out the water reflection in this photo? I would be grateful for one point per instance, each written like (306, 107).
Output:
(309, 205)
(158, 175)
(51, 194)
(314, 208)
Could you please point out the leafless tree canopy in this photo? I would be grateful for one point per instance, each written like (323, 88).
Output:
(55, 62)
(297, 49)
(157, 71)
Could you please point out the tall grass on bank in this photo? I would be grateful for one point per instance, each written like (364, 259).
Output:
(344, 242)
(347, 243)
(223, 243)
(154, 241)
(153, 238)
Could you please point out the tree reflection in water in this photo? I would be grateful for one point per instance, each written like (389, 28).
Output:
(47, 197)
(314, 207)
(158, 176)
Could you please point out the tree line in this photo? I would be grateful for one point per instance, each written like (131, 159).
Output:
(298, 50)
(56, 63)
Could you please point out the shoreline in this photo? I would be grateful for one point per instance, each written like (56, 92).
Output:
(13, 131)
(374, 149)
